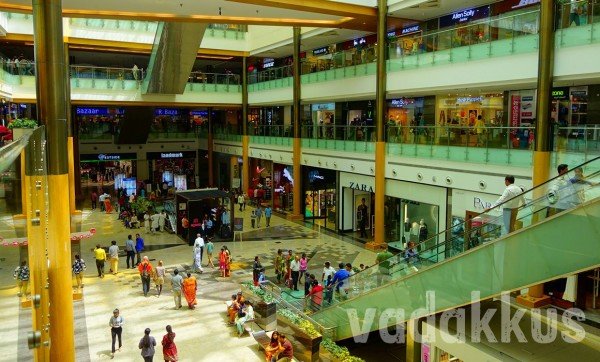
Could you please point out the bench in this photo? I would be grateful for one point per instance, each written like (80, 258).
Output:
(263, 338)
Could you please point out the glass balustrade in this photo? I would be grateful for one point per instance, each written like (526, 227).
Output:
(229, 132)
(515, 229)
(84, 76)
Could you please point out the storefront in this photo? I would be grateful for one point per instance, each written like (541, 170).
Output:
(320, 196)
(283, 188)
(402, 113)
(262, 121)
(176, 169)
(261, 181)
(115, 170)
(320, 59)
(462, 28)
(171, 120)
(98, 122)
(413, 212)
(323, 119)
(406, 41)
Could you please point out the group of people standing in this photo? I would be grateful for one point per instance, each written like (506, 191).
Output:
(147, 342)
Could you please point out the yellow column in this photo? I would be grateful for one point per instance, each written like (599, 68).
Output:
(378, 242)
(245, 165)
(35, 197)
(245, 173)
(211, 177)
(51, 99)
(298, 208)
(541, 156)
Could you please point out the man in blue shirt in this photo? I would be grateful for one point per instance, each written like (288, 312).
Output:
(339, 277)
(268, 213)
(139, 247)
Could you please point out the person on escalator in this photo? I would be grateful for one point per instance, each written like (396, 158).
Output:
(339, 278)
(510, 203)
(384, 263)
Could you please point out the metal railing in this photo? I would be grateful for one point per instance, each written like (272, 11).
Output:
(214, 78)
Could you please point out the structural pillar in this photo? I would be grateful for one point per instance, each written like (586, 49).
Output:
(413, 339)
(52, 111)
(297, 121)
(378, 242)
(211, 171)
(35, 194)
(245, 174)
(543, 128)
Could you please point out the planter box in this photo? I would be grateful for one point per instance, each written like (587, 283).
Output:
(20, 132)
(265, 313)
(306, 348)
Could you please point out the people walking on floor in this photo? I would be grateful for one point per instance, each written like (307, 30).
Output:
(147, 222)
(279, 266)
(295, 271)
(21, 273)
(78, 268)
(268, 214)
(259, 214)
(101, 198)
(257, 268)
(199, 245)
(162, 217)
(253, 218)
(113, 253)
(107, 204)
(100, 255)
(159, 277)
(190, 288)
(176, 284)
(154, 218)
(130, 250)
(303, 267)
(169, 347)
(94, 199)
(139, 247)
(145, 269)
(116, 329)
(222, 261)
(147, 344)
(241, 201)
(209, 253)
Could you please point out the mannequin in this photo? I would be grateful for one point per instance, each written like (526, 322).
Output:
(423, 232)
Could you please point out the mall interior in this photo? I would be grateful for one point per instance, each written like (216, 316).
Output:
(379, 133)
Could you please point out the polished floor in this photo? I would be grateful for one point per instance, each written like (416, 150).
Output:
(202, 334)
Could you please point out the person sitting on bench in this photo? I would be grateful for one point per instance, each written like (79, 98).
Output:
(286, 351)
(235, 306)
(272, 349)
(245, 314)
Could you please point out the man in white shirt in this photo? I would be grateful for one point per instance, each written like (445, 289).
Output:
(161, 220)
(241, 200)
(199, 244)
(101, 199)
(327, 271)
(509, 201)
(562, 194)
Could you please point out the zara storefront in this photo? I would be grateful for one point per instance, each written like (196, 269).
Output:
(412, 210)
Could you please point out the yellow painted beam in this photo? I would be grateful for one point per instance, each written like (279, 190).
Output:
(316, 6)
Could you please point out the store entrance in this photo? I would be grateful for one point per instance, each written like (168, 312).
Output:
(320, 207)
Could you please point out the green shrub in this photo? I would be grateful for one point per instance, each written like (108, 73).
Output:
(23, 123)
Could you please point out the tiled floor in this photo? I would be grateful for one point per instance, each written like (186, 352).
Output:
(202, 334)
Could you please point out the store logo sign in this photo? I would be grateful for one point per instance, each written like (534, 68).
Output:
(410, 29)
(461, 100)
(171, 155)
(361, 187)
(463, 15)
(105, 157)
(524, 3)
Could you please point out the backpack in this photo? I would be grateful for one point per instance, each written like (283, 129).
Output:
(145, 273)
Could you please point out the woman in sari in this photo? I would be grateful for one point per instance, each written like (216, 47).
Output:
(227, 261)
(222, 260)
(189, 290)
(169, 347)
(108, 205)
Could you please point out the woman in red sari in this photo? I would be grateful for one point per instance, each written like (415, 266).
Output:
(108, 205)
(169, 347)
(190, 287)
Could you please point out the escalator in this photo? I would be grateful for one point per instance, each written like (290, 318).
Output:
(555, 233)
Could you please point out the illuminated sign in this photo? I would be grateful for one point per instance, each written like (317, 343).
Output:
(321, 51)
(411, 29)
(101, 157)
(166, 112)
(170, 155)
(461, 100)
(524, 3)
(359, 41)
(268, 63)
(464, 16)
(98, 111)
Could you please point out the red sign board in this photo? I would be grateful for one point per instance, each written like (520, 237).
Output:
(515, 111)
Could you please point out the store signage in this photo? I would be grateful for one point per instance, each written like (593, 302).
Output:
(560, 93)
(401, 102)
(464, 16)
(411, 29)
(323, 107)
(462, 100)
(515, 106)
(99, 157)
(314, 175)
(359, 41)
(98, 111)
(199, 113)
(525, 3)
(391, 34)
(166, 112)
(170, 155)
(321, 51)
(360, 187)
(268, 63)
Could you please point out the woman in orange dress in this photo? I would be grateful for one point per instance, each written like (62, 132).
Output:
(108, 205)
(227, 261)
(222, 261)
(190, 286)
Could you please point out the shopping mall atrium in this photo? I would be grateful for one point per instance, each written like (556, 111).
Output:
(315, 180)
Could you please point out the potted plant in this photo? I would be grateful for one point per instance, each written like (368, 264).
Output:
(22, 126)
(141, 205)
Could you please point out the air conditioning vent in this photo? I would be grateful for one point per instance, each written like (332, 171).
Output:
(427, 5)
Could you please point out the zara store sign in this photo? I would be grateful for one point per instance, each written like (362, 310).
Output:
(360, 187)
